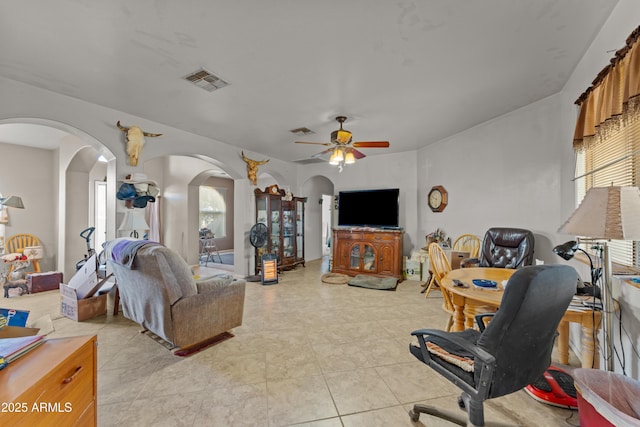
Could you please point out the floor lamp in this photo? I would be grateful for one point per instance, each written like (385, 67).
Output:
(606, 213)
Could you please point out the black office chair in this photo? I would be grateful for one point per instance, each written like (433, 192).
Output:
(504, 247)
(512, 351)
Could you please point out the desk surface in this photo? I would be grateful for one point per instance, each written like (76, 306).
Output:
(466, 275)
(461, 297)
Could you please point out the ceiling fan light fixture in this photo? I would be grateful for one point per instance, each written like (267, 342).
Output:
(349, 158)
(336, 157)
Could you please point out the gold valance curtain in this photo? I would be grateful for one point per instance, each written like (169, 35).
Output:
(613, 97)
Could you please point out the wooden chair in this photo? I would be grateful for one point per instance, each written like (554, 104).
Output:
(440, 266)
(468, 243)
(17, 243)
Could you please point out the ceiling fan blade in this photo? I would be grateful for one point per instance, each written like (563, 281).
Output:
(323, 154)
(371, 144)
(315, 143)
(357, 154)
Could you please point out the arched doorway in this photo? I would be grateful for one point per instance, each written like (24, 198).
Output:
(40, 159)
(319, 189)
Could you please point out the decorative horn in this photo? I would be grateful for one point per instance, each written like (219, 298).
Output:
(122, 128)
(151, 134)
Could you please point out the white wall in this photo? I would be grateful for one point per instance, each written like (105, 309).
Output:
(27, 172)
(505, 172)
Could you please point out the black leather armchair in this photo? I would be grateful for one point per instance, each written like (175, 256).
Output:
(512, 351)
(504, 247)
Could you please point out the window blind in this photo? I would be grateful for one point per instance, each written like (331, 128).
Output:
(619, 141)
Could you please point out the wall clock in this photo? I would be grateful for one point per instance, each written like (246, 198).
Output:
(438, 198)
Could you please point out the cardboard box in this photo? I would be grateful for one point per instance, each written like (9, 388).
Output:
(40, 282)
(81, 309)
(411, 269)
(455, 257)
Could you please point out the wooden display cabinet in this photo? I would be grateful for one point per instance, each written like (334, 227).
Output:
(367, 251)
(285, 224)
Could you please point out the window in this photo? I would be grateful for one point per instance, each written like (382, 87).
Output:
(614, 161)
(213, 210)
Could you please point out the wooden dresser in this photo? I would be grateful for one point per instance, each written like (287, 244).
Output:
(377, 252)
(52, 385)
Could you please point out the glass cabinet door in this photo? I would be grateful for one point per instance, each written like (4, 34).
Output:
(288, 231)
(261, 211)
(275, 226)
(299, 230)
(362, 257)
(368, 258)
(354, 257)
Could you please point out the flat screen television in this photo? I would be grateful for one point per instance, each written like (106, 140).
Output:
(369, 208)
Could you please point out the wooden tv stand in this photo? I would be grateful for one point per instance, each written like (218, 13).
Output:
(363, 250)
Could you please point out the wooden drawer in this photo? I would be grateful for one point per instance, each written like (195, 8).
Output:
(63, 392)
(380, 237)
(346, 235)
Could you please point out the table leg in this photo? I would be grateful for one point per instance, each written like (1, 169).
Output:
(563, 342)
(458, 318)
(589, 345)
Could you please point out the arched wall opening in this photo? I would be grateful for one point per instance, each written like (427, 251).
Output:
(314, 227)
(56, 199)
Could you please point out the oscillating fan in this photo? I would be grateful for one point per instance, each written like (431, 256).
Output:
(258, 236)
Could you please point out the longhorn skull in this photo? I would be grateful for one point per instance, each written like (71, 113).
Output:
(135, 141)
(252, 168)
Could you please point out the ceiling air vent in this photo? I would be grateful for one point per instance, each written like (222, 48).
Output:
(301, 131)
(206, 80)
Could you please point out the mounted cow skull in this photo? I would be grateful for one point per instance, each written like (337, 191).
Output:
(135, 141)
(252, 168)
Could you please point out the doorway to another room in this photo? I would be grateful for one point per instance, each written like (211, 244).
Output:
(215, 219)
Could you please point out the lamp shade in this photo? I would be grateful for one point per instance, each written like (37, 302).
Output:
(133, 220)
(607, 213)
(12, 202)
(566, 250)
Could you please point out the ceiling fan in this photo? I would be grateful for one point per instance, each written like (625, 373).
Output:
(342, 149)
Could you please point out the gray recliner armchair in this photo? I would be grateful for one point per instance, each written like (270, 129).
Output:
(158, 291)
(513, 350)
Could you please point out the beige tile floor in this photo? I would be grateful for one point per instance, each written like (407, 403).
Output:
(308, 354)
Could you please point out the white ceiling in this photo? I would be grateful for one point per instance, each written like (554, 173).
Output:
(411, 72)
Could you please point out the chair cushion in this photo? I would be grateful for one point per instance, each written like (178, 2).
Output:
(470, 335)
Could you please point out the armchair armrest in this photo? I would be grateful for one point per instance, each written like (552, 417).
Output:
(480, 320)
(213, 283)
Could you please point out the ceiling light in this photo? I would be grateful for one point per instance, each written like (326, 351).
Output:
(349, 158)
(102, 159)
(333, 160)
(339, 155)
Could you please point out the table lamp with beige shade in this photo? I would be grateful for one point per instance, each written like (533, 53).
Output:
(606, 213)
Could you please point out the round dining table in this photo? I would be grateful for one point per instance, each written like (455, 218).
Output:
(468, 296)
